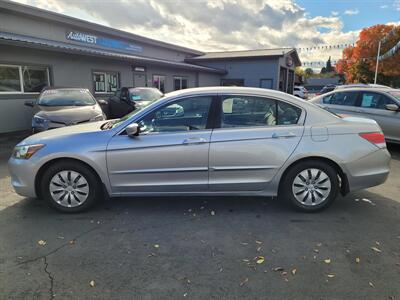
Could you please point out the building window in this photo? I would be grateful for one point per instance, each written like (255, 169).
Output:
(105, 82)
(180, 83)
(35, 79)
(159, 82)
(23, 79)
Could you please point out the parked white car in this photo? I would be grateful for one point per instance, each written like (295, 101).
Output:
(300, 91)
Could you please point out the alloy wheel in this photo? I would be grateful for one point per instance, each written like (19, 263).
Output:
(69, 188)
(311, 187)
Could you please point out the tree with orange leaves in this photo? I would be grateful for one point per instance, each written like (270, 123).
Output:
(358, 63)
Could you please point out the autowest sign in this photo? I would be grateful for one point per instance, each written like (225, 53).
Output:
(101, 41)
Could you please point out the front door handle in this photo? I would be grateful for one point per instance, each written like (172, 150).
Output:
(194, 140)
(283, 135)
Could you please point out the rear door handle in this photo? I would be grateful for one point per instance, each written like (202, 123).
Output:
(194, 140)
(283, 135)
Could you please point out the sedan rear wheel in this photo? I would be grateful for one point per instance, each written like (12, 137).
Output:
(310, 185)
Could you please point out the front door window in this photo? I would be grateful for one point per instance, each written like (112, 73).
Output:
(183, 115)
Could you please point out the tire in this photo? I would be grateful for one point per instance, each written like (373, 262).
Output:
(78, 183)
(307, 191)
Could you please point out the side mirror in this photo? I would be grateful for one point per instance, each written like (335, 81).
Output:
(132, 130)
(102, 102)
(392, 107)
(29, 103)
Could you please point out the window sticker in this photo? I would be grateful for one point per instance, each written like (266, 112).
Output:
(227, 106)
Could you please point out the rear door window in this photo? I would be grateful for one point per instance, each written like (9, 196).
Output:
(249, 111)
(342, 98)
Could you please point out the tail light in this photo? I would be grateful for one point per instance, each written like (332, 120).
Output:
(376, 138)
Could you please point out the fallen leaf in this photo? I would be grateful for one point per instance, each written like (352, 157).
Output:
(60, 237)
(244, 281)
(376, 249)
(327, 261)
(245, 260)
(284, 273)
(42, 243)
(377, 243)
(357, 200)
(151, 255)
(371, 284)
(294, 271)
(319, 244)
(330, 275)
(287, 280)
(278, 269)
(259, 249)
(258, 242)
(357, 260)
(72, 242)
(316, 250)
(212, 213)
(244, 244)
(156, 246)
(185, 294)
(260, 259)
(92, 283)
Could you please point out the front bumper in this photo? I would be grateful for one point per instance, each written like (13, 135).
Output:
(368, 171)
(23, 175)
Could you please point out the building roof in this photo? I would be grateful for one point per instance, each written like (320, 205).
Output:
(323, 81)
(23, 9)
(244, 54)
(17, 39)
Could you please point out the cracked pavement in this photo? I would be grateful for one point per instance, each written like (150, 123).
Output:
(173, 248)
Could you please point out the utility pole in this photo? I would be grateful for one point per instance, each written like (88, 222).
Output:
(377, 61)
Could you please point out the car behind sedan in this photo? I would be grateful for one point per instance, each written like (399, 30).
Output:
(377, 103)
(59, 107)
(206, 141)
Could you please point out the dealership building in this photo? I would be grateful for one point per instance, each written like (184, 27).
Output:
(40, 48)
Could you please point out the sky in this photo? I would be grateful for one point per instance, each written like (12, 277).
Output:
(220, 25)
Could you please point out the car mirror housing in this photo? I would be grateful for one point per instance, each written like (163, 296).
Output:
(132, 130)
(29, 103)
(102, 102)
(392, 107)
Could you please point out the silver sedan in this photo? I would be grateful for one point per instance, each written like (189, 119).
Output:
(206, 141)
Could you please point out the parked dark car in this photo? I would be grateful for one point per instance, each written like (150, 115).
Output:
(128, 99)
(59, 107)
(326, 89)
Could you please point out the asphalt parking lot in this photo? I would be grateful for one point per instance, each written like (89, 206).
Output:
(202, 248)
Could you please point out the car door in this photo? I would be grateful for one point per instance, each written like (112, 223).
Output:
(256, 135)
(341, 102)
(170, 154)
(373, 106)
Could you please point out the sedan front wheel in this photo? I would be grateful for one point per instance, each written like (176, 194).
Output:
(69, 186)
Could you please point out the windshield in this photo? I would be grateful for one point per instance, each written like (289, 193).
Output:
(66, 98)
(144, 95)
(395, 94)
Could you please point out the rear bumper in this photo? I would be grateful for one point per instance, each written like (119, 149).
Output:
(368, 171)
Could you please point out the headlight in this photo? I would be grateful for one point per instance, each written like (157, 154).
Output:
(39, 121)
(26, 151)
(98, 118)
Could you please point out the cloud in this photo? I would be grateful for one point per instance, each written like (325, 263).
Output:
(396, 5)
(351, 12)
(384, 6)
(213, 25)
(334, 13)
